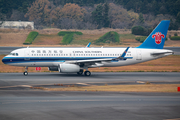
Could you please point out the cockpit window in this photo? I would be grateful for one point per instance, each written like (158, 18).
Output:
(14, 54)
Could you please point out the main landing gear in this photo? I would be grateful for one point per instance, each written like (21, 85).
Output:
(26, 71)
(86, 73)
(80, 72)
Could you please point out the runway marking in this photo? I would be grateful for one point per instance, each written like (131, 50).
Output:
(16, 86)
(82, 84)
(173, 119)
(140, 82)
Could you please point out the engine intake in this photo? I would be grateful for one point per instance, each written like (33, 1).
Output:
(53, 68)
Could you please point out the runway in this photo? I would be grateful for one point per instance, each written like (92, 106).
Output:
(25, 103)
(88, 106)
(11, 79)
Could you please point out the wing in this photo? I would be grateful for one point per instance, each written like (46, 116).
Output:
(99, 61)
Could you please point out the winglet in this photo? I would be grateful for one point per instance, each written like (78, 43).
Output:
(88, 45)
(123, 55)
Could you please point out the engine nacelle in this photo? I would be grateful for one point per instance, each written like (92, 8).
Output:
(53, 68)
(68, 68)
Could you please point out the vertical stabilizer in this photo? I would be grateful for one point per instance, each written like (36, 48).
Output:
(157, 37)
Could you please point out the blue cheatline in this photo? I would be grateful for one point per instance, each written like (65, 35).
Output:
(9, 60)
(157, 37)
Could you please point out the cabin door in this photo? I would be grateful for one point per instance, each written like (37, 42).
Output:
(139, 55)
(26, 55)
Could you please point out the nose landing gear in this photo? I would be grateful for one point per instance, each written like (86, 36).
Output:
(26, 71)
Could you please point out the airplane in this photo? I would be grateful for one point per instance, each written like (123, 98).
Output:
(76, 60)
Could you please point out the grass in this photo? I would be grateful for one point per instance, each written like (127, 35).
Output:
(141, 39)
(67, 39)
(175, 38)
(84, 39)
(49, 37)
(46, 39)
(68, 36)
(109, 37)
(148, 87)
(30, 38)
(62, 33)
(127, 36)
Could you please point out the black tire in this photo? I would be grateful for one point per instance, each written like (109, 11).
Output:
(80, 72)
(25, 73)
(87, 73)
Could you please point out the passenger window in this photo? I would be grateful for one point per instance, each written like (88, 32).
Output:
(55, 51)
(38, 51)
(16, 54)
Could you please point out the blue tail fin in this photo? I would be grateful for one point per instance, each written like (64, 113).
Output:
(157, 37)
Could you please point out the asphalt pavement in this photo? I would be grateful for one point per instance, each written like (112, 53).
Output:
(28, 104)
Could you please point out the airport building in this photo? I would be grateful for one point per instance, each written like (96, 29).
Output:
(17, 24)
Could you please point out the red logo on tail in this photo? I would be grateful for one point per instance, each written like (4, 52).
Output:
(158, 37)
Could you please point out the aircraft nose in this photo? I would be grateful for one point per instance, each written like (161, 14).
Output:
(4, 60)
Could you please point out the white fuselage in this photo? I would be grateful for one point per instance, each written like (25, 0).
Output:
(52, 57)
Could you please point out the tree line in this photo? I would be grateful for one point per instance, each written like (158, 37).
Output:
(92, 14)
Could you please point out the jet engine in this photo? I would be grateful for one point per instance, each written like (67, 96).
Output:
(68, 68)
(53, 68)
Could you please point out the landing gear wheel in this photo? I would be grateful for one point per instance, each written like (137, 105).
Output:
(87, 73)
(80, 72)
(25, 73)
